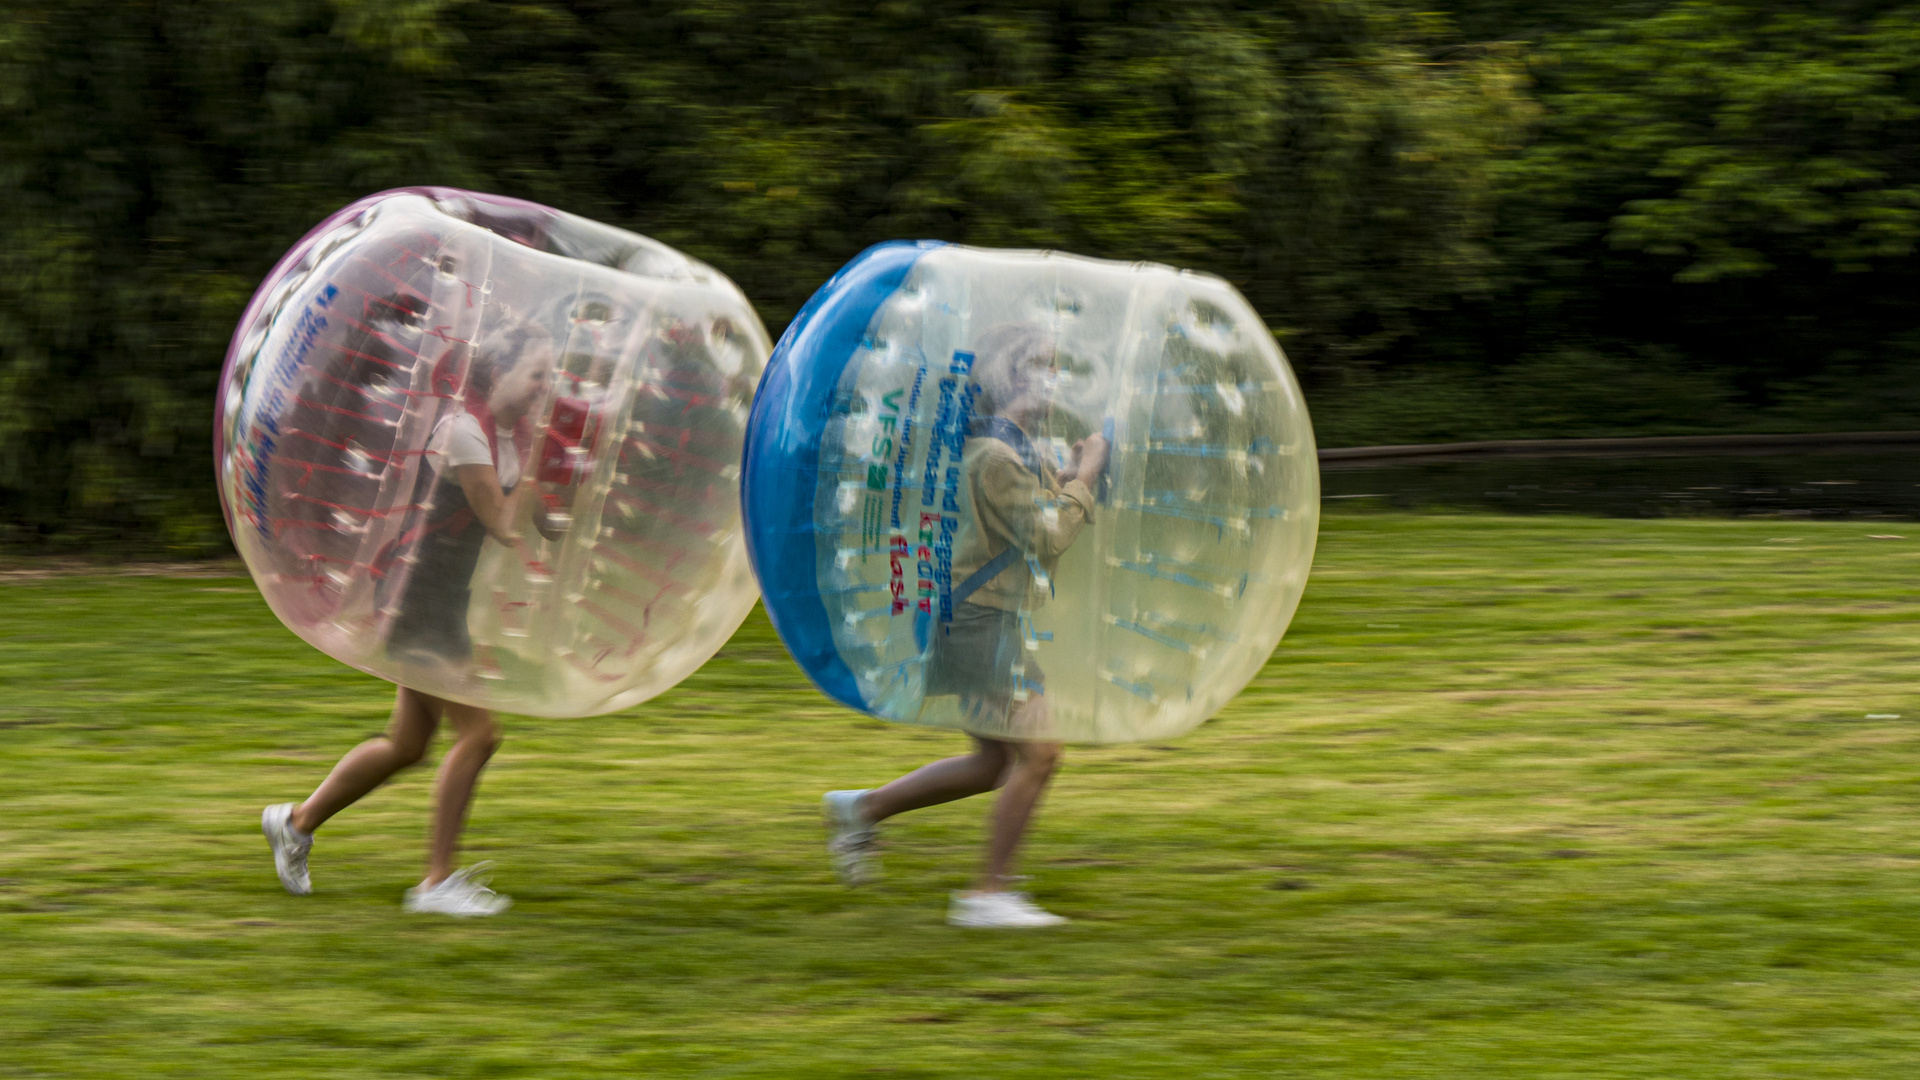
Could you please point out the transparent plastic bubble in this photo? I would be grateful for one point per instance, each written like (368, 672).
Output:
(420, 337)
(935, 536)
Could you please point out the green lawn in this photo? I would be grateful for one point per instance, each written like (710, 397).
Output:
(1515, 798)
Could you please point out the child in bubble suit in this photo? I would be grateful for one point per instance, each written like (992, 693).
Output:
(471, 490)
(1025, 515)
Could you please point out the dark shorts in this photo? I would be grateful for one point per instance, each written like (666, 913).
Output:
(976, 657)
(431, 624)
(431, 630)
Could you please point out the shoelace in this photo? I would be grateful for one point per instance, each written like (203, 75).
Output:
(470, 884)
(857, 841)
(294, 847)
(474, 878)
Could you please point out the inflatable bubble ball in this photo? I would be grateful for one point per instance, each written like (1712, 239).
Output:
(1029, 495)
(491, 451)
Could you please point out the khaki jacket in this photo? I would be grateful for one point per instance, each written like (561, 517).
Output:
(1013, 506)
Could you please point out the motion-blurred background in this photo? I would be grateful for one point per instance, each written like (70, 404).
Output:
(1512, 218)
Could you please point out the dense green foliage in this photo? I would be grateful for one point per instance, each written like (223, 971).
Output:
(1712, 228)
(1523, 218)
(1528, 799)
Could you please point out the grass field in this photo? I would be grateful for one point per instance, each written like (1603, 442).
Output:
(1515, 798)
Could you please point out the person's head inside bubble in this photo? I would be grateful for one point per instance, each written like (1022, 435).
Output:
(1016, 371)
(1018, 377)
(510, 373)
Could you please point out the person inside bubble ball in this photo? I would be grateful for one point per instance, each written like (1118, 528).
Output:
(1025, 514)
(475, 458)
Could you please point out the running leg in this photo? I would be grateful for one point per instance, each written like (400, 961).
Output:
(476, 735)
(372, 763)
(942, 781)
(1034, 764)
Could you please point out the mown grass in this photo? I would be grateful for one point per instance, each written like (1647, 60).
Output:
(1515, 798)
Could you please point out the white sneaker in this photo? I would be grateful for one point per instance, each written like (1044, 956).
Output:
(290, 847)
(464, 893)
(852, 840)
(998, 911)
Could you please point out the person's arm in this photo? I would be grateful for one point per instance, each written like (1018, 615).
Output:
(493, 507)
(1042, 523)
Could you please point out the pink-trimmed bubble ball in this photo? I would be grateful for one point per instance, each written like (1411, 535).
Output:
(491, 451)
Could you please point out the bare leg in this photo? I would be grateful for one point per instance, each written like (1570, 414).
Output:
(1021, 770)
(1033, 768)
(476, 735)
(367, 766)
(942, 782)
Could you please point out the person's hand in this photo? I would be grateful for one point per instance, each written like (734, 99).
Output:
(1067, 473)
(1089, 460)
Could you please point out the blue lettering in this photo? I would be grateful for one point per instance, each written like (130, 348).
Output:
(906, 444)
(942, 416)
(950, 503)
(279, 380)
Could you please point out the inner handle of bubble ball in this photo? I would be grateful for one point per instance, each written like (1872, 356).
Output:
(1103, 489)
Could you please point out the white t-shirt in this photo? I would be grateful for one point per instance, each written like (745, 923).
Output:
(459, 441)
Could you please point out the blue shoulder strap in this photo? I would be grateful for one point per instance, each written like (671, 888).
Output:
(995, 566)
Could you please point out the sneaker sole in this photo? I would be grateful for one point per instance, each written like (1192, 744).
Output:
(454, 914)
(967, 924)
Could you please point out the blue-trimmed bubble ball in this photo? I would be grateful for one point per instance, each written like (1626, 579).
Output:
(1030, 495)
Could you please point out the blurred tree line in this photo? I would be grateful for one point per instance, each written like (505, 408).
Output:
(1518, 218)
